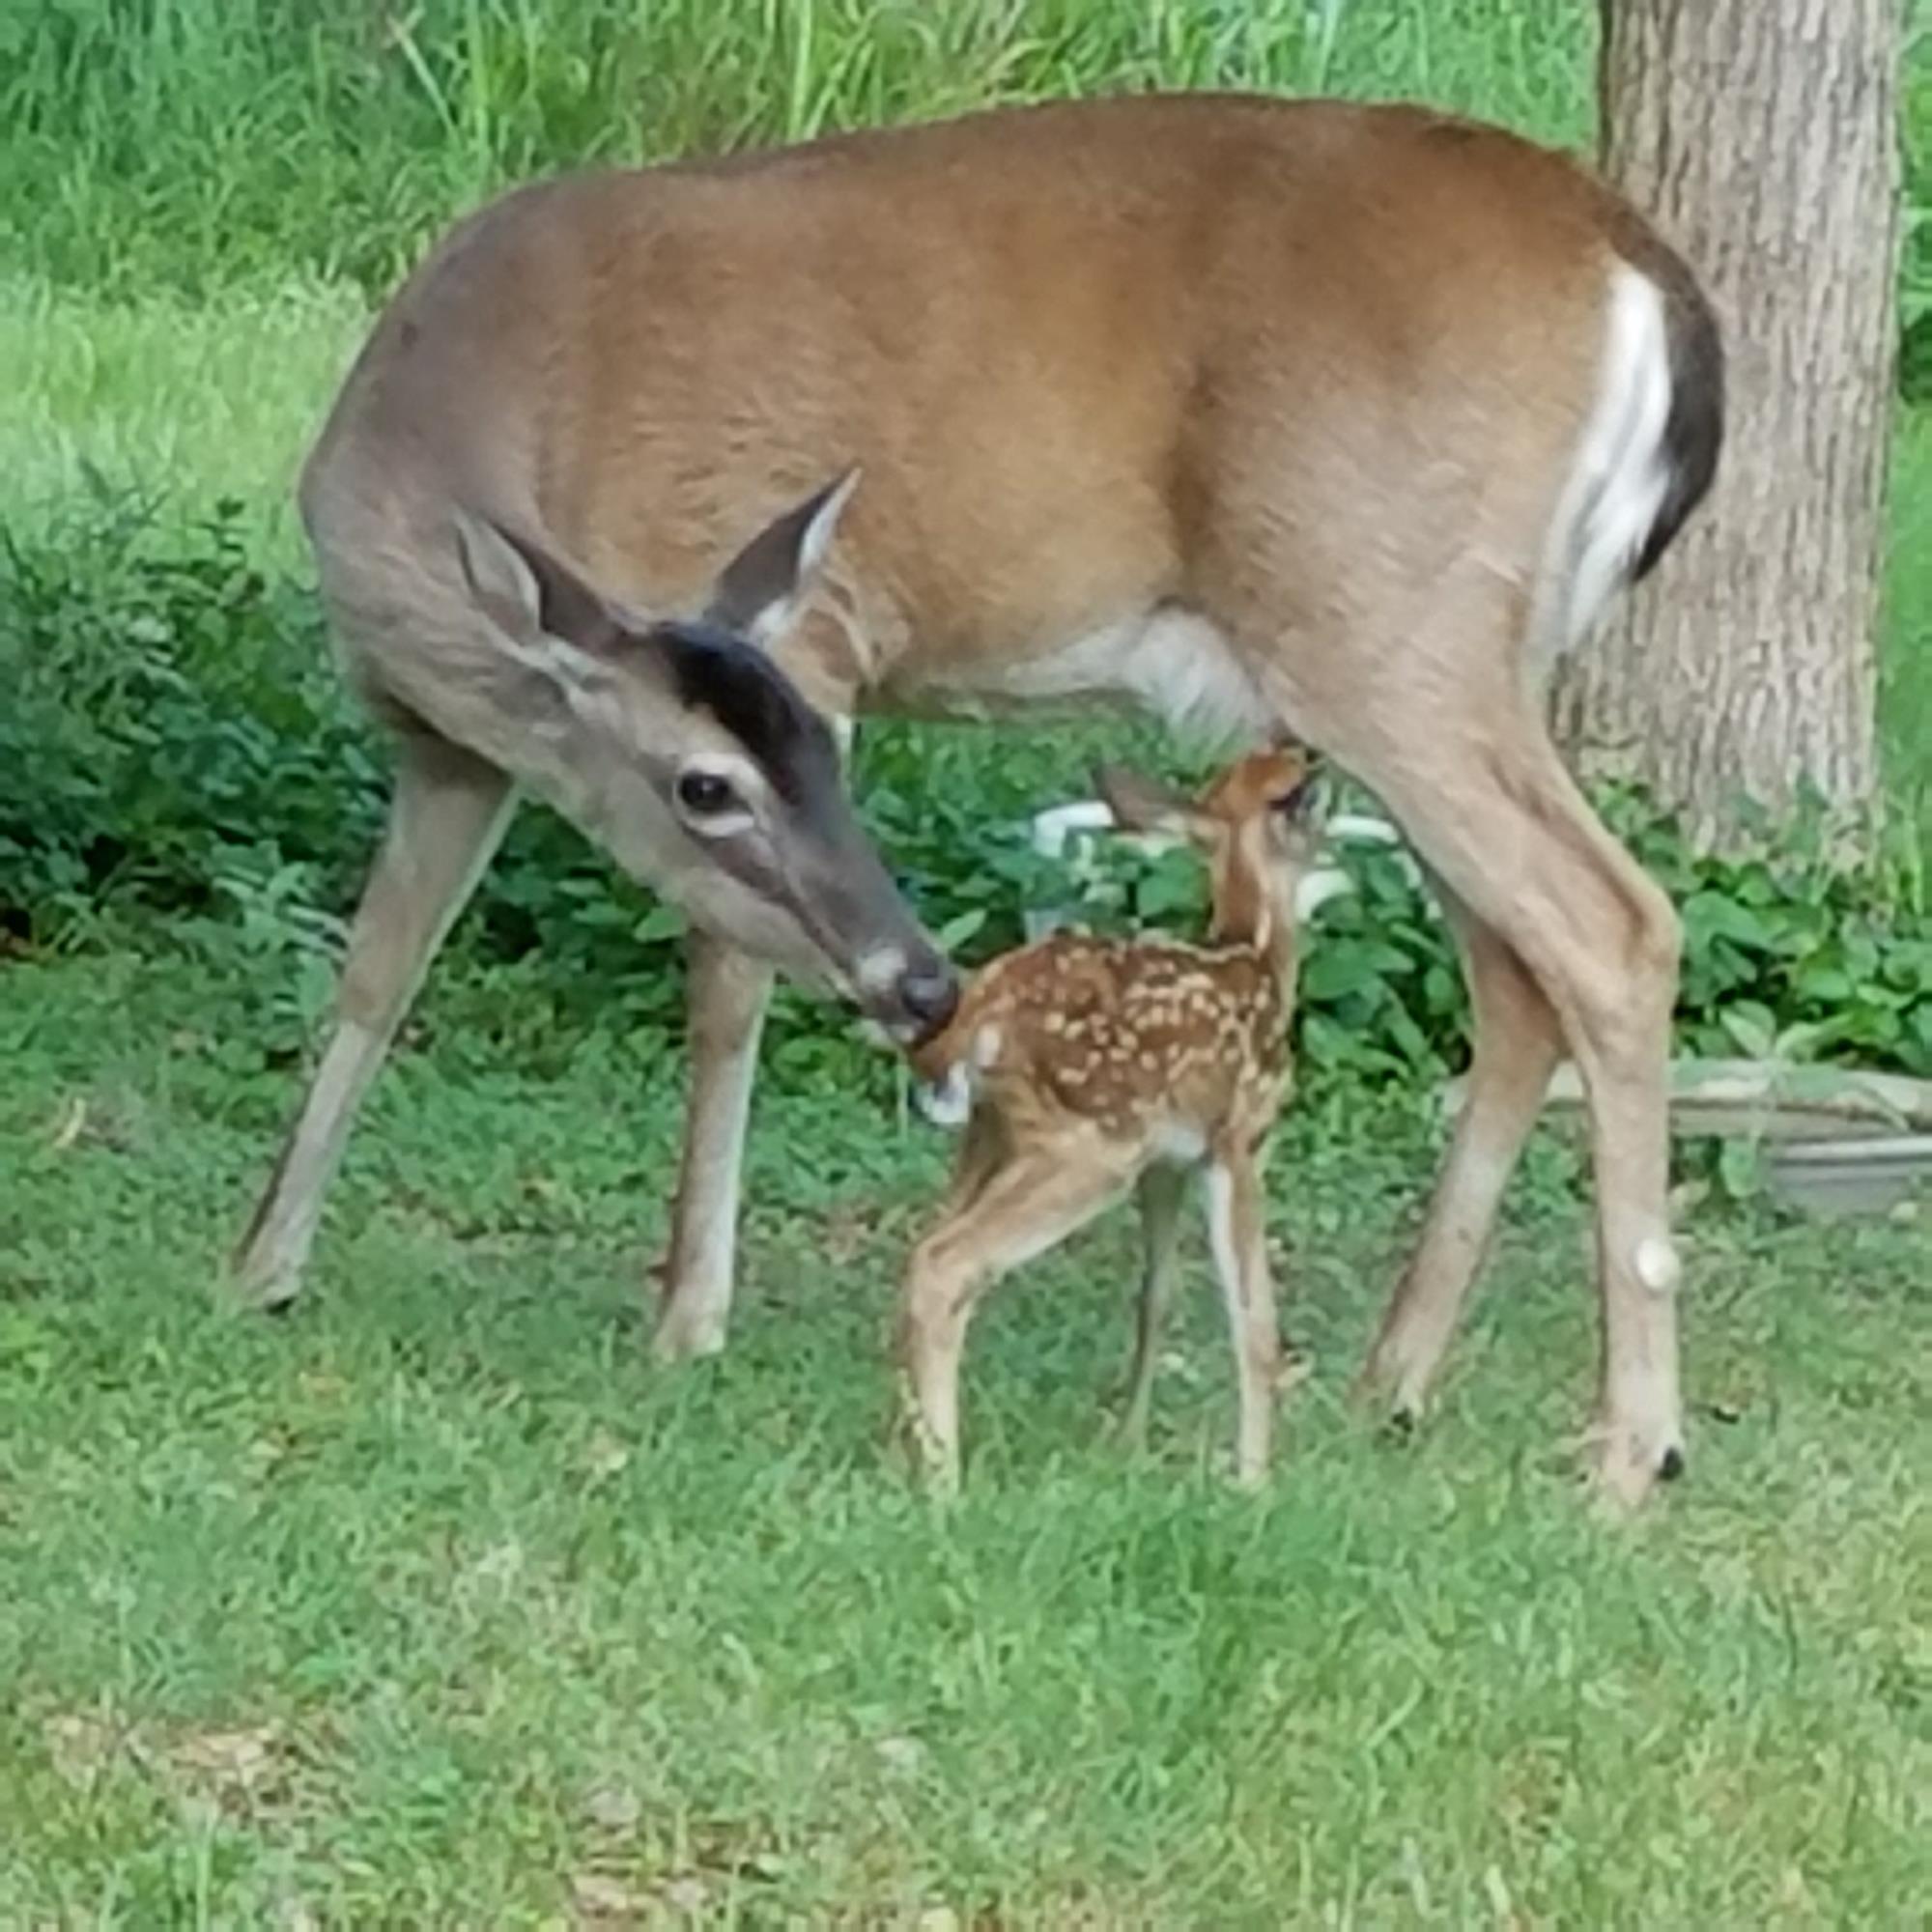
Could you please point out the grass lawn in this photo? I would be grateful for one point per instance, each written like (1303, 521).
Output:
(433, 1604)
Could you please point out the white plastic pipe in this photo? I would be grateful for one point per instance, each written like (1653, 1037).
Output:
(1055, 826)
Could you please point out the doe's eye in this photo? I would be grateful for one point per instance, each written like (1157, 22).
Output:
(704, 794)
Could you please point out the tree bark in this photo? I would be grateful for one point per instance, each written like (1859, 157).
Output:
(1762, 137)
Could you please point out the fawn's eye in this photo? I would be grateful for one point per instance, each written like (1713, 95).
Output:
(705, 794)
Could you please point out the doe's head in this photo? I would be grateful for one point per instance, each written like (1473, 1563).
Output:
(720, 784)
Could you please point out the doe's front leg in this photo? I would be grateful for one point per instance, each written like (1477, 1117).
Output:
(726, 1002)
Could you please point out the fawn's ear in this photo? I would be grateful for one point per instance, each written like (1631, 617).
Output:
(1140, 804)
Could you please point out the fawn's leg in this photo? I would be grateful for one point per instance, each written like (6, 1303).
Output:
(1236, 1227)
(1030, 1203)
(1159, 1192)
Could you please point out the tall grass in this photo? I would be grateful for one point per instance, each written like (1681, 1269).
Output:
(183, 144)
(216, 191)
(179, 403)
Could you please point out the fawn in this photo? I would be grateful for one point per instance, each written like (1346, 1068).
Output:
(1086, 1066)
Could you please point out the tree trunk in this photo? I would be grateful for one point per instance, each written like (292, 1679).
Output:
(1762, 136)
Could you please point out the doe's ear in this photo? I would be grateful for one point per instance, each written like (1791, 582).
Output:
(525, 587)
(1140, 804)
(758, 593)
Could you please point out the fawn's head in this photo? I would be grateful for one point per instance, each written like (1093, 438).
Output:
(1259, 825)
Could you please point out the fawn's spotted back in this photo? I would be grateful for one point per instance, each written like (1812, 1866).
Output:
(1151, 1036)
(1128, 1033)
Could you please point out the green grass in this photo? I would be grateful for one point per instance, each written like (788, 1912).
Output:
(433, 1604)
(179, 403)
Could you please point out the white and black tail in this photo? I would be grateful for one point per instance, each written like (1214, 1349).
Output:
(1648, 447)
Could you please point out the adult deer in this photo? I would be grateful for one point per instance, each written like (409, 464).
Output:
(1348, 419)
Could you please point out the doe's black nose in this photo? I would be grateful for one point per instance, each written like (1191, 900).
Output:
(929, 995)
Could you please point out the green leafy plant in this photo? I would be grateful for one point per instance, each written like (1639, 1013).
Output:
(178, 734)
(1788, 956)
(179, 748)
